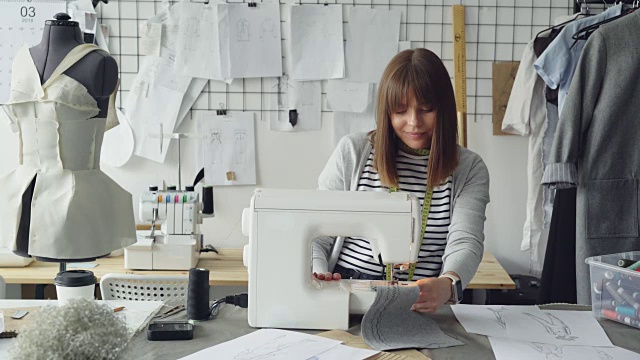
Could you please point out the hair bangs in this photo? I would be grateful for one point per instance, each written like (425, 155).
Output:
(421, 87)
(409, 80)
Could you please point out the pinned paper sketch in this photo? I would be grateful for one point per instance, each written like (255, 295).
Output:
(250, 41)
(228, 148)
(190, 96)
(300, 106)
(372, 40)
(160, 95)
(506, 349)
(267, 344)
(118, 143)
(345, 123)
(151, 38)
(528, 323)
(153, 105)
(317, 45)
(348, 96)
(170, 20)
(83, 12)
(198, 47)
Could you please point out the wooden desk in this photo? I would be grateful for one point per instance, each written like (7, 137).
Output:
(490, 275)
(226, 270)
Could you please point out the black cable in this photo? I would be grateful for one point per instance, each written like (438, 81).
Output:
(241, 300)
(209, 248)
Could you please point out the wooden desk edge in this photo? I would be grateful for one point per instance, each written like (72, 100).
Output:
(232, 253)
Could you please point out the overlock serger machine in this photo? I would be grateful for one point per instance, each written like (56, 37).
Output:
(176, 246)
(282, 225)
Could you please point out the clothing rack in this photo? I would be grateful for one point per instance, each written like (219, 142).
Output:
(577, 4)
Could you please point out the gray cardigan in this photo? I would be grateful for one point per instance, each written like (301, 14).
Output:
(465, 241)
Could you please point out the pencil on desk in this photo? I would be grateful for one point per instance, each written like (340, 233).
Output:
(118, 309)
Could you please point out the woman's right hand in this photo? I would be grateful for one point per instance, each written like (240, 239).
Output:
(327, 276)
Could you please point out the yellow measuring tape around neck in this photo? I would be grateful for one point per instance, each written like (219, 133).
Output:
(406, 148)
(426, 206)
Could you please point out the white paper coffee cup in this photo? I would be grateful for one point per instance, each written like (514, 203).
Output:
(74, 284)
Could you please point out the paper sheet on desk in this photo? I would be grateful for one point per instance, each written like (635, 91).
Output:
(372, 40)
(136, 313)
(317, 48)
(506, 349)
(529, 323)
(390, 324)
(356, 341)
(267, 344)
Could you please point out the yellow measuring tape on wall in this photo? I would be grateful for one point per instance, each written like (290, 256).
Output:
(460, 71)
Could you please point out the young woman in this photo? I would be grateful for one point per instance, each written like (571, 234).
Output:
(413, 149)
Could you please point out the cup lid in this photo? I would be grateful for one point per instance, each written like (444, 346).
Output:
(75, 278)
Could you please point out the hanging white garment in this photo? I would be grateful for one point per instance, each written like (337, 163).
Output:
(77, 211)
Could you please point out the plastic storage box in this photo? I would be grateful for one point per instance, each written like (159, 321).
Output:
(615, 287)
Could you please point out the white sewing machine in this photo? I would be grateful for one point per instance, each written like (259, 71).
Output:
(177, 245)
(282, 224)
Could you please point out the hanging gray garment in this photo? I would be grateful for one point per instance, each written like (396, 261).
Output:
(596, 145)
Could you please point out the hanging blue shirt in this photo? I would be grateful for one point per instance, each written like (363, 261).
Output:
(558, 62)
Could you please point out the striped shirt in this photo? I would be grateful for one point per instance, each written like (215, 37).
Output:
(412, 177)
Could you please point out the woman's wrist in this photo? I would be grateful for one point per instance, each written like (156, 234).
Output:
(450, 282)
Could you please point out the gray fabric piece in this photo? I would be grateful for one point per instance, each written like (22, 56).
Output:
(598, 134)
(390, 324)
(470, 195)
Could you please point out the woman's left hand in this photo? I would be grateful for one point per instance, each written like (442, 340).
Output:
(434, 292)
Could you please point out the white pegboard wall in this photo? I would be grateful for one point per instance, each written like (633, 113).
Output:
(496, 30)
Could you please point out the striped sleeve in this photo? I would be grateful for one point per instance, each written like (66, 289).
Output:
(560, 176)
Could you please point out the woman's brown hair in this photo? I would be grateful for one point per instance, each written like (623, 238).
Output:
(421, 72)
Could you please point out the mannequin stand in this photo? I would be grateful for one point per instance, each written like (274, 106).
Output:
(39, 291)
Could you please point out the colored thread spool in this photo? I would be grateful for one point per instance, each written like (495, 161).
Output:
(610, 314)
(634, 266)
(626, 262)
(626, 311)
(628, 298)
(611, 288)
(207, 200)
